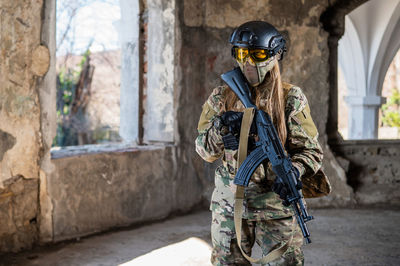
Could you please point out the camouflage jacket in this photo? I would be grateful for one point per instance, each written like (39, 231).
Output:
(302, 145)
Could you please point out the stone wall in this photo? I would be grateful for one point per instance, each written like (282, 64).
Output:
(373, 170)
(22, 62)
(93, 191)
(96, 188)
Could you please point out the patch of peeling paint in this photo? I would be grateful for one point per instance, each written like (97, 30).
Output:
(7, 141)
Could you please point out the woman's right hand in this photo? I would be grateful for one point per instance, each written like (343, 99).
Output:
(233, 120)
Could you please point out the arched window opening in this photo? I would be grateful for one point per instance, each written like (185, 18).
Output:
(370, 42)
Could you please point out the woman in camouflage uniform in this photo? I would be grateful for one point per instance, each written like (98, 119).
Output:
(257, 47)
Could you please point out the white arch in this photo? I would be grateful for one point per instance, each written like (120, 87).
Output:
(351, 58)
(387, 49)
(390, 52)
(371, 39)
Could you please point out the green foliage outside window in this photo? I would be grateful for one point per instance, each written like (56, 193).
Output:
(68, 123)
(391, 110)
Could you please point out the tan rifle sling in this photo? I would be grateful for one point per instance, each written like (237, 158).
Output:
(248, 117)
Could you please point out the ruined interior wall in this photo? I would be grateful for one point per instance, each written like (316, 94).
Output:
(371, 166)
(206, 27)
(93, 192)
(22, 62)
(97, 188)
(76, 195)
(373, 170)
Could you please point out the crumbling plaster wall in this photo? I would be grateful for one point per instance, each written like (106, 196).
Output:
(96, 188)
(205, 54)
(96, 191)
(23, 61)
(89, 189)
(373, 170)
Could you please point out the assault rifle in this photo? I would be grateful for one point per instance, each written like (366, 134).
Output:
(268, 147)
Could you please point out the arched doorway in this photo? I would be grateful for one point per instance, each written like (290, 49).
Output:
(365, 51)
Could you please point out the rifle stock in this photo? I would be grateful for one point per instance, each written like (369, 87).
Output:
(237, 82)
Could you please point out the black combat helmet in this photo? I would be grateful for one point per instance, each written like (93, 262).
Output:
(258, 35)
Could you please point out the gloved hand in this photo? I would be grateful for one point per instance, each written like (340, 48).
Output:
(230, 141)
(233, 120)
(282, 190)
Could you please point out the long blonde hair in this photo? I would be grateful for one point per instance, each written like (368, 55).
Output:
(269, 97)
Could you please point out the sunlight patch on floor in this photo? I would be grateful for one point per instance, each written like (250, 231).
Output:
(189, 252)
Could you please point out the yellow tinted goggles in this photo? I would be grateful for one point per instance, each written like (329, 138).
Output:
(258, 55)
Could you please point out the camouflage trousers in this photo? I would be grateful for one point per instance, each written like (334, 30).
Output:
(268, 234)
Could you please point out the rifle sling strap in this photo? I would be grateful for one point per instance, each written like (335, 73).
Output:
(239, 196)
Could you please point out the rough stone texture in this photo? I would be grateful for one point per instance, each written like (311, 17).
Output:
(96, 192)
(20, 33)
(306, 63)
(18, 212)
(40, 60)
(342, 194)
(373, 170)
(72, 187)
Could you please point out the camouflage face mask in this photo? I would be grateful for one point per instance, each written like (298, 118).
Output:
(255, 72)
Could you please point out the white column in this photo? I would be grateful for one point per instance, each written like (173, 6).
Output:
(363, 116)
(158, 119)
(128, 29)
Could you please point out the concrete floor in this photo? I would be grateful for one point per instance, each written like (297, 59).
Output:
(340, 237)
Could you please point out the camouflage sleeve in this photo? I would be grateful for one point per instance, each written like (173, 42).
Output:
(302, 141)
(209, 143)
